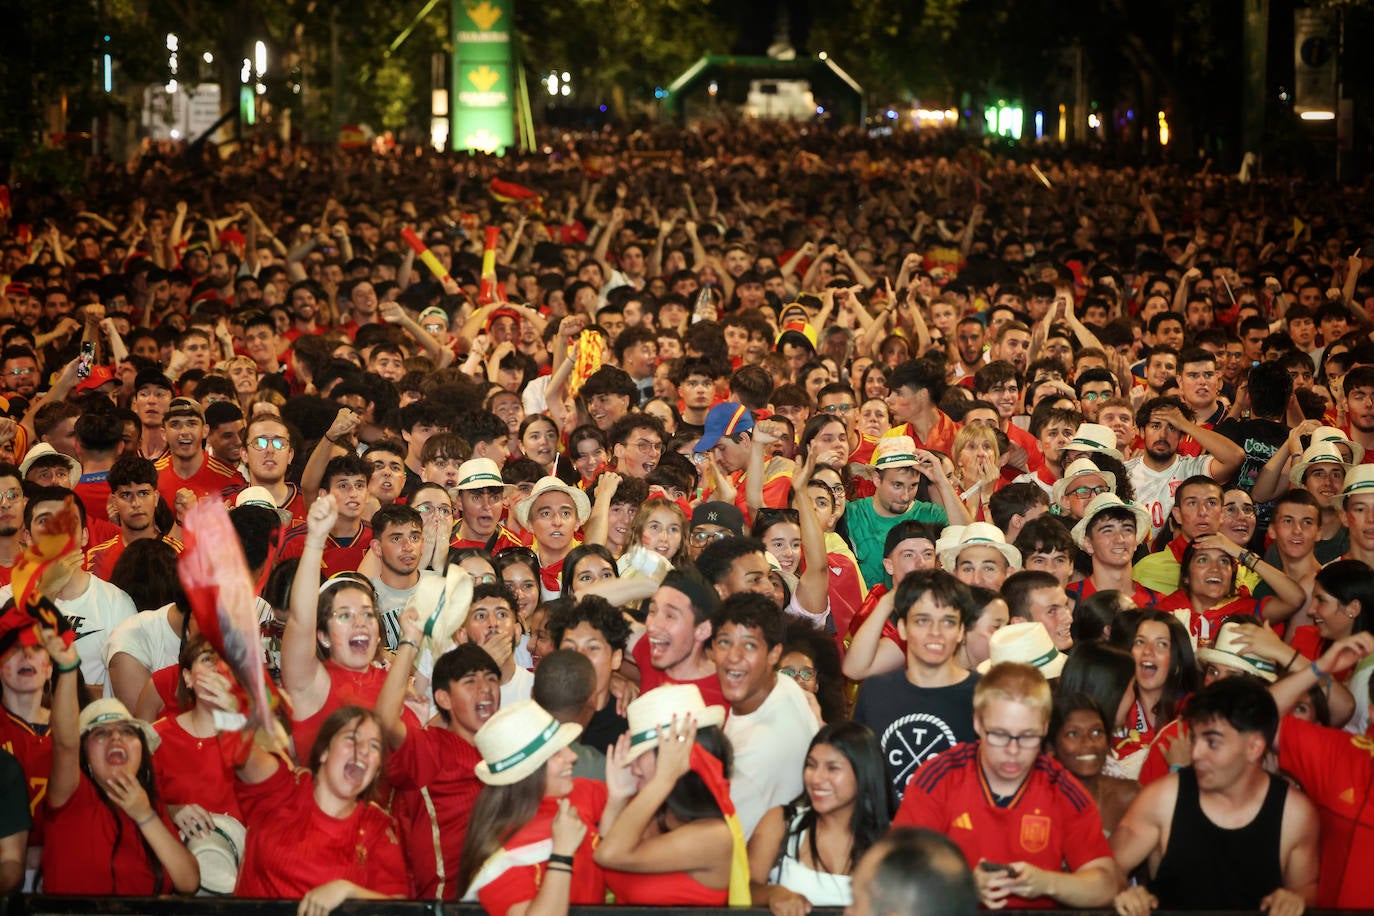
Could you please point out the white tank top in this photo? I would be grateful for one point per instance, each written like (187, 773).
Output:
(820, 888)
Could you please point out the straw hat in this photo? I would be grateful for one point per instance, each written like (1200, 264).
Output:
(1227, 651)
(1101, 503)
(1026, 643)
(1094, 437)
(443, 603)
(518, 740)
(894, 452)
(655, 710)
(1359, 480)
(1338, 437)
(219, 853)
(44, 450)
(1083, 467)
(480, 474)
(979, 534)
(581, 504)
(1317, 453)
(108, 710)
(261, 496)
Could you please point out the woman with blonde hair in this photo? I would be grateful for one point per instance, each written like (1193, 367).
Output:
(977, 464)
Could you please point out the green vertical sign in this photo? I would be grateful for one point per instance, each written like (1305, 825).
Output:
(482, 98)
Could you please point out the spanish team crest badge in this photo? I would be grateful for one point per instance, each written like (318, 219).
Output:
(1035, 832)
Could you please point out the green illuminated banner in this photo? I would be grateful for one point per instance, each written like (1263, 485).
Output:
(483, 97)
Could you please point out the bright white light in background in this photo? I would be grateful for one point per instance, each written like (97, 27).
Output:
(247, 70)
(1039, 124)
(171, 86)
(208, 57)
(1094, 121)
(108, 66)
(565, 77)
(171, 42)
(823, 55)
(565, 89)
(713, 88)
(552, 83)
(259, 58)
(1163, 130)
(1318, 116)
(176, 134)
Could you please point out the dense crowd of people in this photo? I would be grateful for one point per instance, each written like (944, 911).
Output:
(760, 493)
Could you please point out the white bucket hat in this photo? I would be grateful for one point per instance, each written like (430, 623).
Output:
(978, 534)
(1338, 437)
(518, 740)
(1094, 437)
(108, 710)
(1083, 467)
(44, 450)
(1317, 453)
(1227, 651)
(219, 853)
(480, 474)
(1360, 479)
(581, 504)
(655, 710)
(1101, 503)
(443, 603)
(1027, 643)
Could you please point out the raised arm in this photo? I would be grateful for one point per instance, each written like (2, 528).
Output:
(1226, 456)
(391, 700)
(65, 775)
(868, 653)
(302, 674)
(813, 588)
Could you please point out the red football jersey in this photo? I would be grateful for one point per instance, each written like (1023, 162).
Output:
(651, 677)
(34, 753)
(338, 557)
(1051, 822)
(213, 476)
(436, 785)
(190, 770)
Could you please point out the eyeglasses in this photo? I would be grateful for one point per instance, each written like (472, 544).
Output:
(1094, 395)
(263, 443)
(1242, 509)
(701, 538)
(1003, 739)
(837, 408)
(430, 509)
(836, 490)
(1089, 492)
(27, 370)
(10, 496)
(484, 579)
(433, 328)
(649, 446)
(805, 675)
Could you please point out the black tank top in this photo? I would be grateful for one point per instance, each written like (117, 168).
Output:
(1209, 868)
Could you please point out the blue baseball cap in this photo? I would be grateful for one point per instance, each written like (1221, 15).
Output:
(727, 419)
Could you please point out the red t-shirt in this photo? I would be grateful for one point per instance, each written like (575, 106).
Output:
(504, 539)
(294, 847)
(846, 597)
(1336, 770)
(1085, 588)
(651, 677)
(101, 559)
(87, 861)
(295, 502)
(436, 785)
(672, 888)
(95, 496)
(514, 874)
(338, 557)
(1204, 625)
(1052, 822)
(213, 476)
(191, 770)
(347, 688)
(34, 753)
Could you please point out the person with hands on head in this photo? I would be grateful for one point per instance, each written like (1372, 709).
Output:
(1208, 591)
(1222, 834)
(1028, 829)
(530, 840)
(665, 838)
(117, 837)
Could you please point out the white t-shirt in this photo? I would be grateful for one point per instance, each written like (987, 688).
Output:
(520, 688)
(1155, 489)
(770, 748)
(148, 638)
(94, 615)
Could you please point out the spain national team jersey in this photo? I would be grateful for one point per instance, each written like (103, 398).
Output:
(1336, 771)
(32, 746)
(101, 559)
(1051, 822)
(340, 554)
(213, 476)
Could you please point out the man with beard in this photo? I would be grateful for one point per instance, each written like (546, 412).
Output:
(303, 299)
(134, 482)
(186, 466)
(397, 541)
(270, 451)
(968, 342)
(1158, 469)
(20, 368)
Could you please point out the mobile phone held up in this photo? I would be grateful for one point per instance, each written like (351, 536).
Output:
(83, 362)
